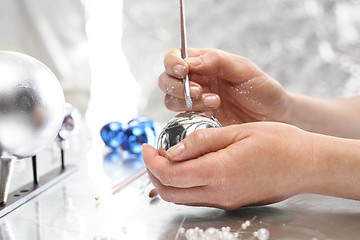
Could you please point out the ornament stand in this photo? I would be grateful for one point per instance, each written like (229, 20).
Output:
(38, 185)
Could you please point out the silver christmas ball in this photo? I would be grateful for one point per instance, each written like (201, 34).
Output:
(31, 105)
(181, 126)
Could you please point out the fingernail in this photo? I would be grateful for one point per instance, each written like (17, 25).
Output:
(211, 100)
(175, 150)
(179, 71)
(143, 146)
(195, 61)
(194, 92)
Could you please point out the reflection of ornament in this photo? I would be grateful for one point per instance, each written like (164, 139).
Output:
(118, 164)
(183, 125)
(31, 110)
(71, 122)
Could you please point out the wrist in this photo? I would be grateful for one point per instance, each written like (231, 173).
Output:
(335, 117)
(335, 167)
(295, 111)
(308, 113)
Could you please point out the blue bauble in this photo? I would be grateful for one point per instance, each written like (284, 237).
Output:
(137, 135)
(142, 120)
(113, 134)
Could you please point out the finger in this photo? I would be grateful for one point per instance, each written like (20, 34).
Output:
(176, 195)
(185, 174)
(175, 87)
(222, 64)
(194, 196)
(206, 102)
(204, 195)
(174, 64)
(205, 141)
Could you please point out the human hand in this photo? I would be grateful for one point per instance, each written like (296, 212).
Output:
(229, 87)
(234, 166)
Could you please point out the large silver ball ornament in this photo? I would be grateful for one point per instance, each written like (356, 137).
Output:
(31, 111)
(181, 126)
(31, 105)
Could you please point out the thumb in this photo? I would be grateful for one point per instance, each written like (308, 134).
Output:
(204, 141)
(230, 67)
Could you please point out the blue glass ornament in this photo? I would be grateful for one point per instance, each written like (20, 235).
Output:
(137, 135)
(142, 120)
(113, 134)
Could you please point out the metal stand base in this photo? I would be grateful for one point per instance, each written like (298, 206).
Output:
(31, 190)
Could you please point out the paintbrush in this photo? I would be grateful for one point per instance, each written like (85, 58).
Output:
(184, 54)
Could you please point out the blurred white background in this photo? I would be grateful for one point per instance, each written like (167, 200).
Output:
(108, 54)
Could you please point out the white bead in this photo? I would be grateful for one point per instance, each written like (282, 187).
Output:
(227, 236)
(262, 234)
(243, 226)
(181, 230)
(248, 223)
(211, 232)
(201, 233)
(190, 234)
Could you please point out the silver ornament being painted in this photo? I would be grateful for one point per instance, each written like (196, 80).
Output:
(181, 126)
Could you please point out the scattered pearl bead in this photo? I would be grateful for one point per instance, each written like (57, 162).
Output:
(243, 226)
(224, 233)
(190, 233)
(211, 232)
(262, 234)
(227, 236)
(181, 230)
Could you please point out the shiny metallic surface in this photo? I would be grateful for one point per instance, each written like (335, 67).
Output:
(31, 105)
(71, 122)
(6, 170)
(25, 193)
(31, 110)
(181, 126)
